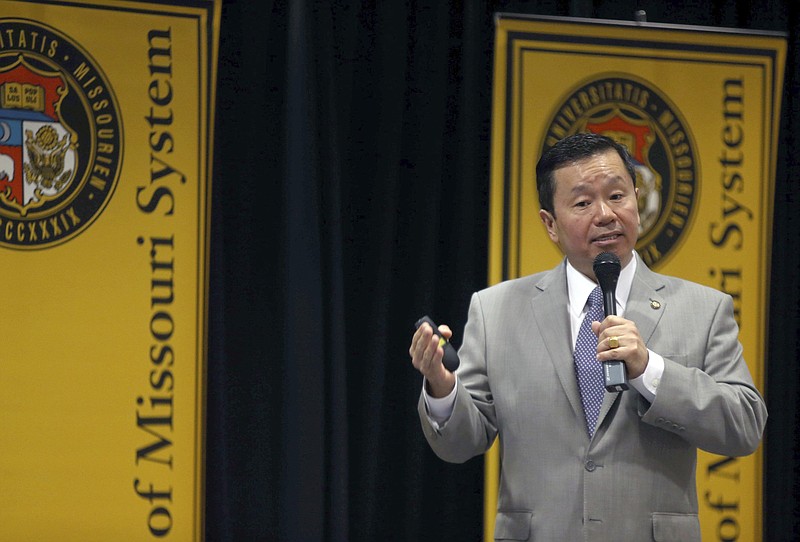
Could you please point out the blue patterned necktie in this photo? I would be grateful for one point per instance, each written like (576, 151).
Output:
(587, 368)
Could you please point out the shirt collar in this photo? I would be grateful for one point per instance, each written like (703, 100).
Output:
(579, 286)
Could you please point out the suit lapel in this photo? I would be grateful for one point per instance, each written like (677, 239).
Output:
(549, 311)
(646, 303)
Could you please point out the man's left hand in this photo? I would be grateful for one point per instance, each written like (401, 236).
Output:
(619, 339)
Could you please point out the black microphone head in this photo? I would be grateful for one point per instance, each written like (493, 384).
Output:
(606, 269)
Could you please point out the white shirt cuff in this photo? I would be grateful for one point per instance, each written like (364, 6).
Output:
(439, 409)
(647, 383)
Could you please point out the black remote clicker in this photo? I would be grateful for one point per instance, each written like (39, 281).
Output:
(450, 359)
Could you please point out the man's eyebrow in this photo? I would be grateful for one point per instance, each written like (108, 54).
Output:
(578, 188)
(619, 179)
(583, 186)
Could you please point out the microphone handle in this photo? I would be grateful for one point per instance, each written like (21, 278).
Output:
(614, 373)
(609, 302)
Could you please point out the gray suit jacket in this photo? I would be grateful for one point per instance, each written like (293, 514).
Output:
(635, 479)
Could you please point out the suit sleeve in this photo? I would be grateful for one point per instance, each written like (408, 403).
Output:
(707, 396)
(472, 427)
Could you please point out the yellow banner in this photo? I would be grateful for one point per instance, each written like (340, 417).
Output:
(699, 110)
(105, 167)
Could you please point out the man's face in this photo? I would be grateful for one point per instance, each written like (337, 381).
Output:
(595, 209)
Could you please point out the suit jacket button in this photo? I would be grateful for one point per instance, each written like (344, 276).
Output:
(590, 466)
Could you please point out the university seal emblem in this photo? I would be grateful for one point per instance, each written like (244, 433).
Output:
(636, 114)
(60, 137)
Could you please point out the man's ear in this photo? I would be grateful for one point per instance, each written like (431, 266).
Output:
(549, 222)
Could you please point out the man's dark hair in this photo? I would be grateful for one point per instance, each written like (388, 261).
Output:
(569, 150)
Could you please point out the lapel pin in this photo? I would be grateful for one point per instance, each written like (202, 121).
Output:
(655, 304)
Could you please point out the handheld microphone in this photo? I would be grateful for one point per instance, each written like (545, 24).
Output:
(450, 359)
(606, 269)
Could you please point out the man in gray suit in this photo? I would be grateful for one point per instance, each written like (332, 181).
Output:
(578, 462)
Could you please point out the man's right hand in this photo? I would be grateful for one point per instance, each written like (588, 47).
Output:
(426, 357)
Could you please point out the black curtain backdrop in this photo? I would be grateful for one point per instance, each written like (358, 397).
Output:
(350, 196)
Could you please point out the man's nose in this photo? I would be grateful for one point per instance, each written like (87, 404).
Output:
(604, 213)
